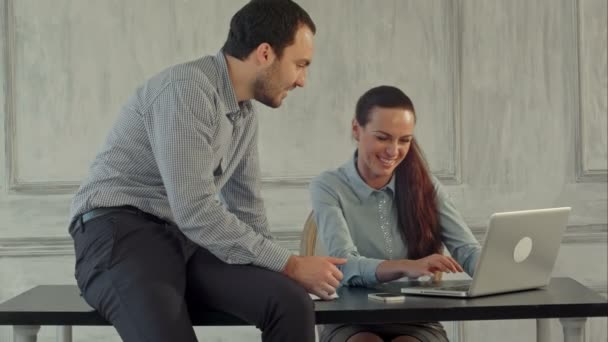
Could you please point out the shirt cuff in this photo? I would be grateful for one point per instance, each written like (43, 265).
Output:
(367, 269)
(470, 262)
(272, 256)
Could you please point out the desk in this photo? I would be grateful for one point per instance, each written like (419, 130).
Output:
(564, 298)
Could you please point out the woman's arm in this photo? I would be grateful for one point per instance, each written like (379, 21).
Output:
(335, 236)
(390, 270)
(334, 233)
(456, 235)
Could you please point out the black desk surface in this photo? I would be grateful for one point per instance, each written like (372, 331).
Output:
(564, 297)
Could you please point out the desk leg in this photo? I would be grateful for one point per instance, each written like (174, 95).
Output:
(64, 333)
(543, 330)
(574, 329)
(25, 333)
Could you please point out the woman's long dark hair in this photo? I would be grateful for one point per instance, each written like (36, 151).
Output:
(417, 213)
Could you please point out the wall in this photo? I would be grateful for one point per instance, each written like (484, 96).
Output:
(511, 98)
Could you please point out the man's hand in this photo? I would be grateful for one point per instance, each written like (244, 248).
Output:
(317, 274)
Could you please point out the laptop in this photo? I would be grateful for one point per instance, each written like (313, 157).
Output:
(519, 253)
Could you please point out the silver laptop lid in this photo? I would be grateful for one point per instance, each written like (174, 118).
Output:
(519, 250)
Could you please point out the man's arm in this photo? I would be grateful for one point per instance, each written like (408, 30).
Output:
(181, 124)
(242, 191)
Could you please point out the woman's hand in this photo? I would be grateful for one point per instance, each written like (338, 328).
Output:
(427, 266)
(390, 270)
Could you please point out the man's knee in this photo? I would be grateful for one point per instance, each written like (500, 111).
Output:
(291, 298)
(291, 290)
(289, 313)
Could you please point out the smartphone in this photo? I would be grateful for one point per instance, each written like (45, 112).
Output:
(387, 297)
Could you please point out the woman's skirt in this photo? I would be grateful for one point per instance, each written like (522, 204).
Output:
(424, 331)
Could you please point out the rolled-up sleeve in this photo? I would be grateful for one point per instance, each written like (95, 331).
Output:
(181, 124)
(336, 238)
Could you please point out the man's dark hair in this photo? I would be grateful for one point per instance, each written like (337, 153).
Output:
(265, 21)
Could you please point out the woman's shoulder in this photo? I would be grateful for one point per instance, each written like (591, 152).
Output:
(334, 175)
(335, 179)
(436, 182)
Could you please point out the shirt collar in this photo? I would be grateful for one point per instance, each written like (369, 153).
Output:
(226, 90)
(361, 188)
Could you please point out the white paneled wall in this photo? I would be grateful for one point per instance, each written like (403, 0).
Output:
(511, 99)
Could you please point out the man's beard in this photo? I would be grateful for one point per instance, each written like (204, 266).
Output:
(265, 86)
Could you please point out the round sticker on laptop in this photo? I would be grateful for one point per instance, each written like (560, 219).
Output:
(522, 249)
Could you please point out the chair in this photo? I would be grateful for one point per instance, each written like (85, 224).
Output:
(308, 241)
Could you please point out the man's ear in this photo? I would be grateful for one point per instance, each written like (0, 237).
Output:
(264, 54)
(356, 129)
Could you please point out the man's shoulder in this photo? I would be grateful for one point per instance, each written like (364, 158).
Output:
(196, 79)
(200, 75)
(203, 70)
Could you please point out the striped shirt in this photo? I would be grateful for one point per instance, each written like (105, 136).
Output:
(185, 150)
(359, 223)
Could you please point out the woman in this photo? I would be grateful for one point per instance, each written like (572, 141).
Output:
(385, 213)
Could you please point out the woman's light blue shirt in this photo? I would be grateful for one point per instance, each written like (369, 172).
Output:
(359, 223)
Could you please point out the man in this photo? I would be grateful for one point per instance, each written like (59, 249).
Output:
(170, 218)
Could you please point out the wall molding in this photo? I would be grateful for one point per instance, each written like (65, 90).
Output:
(9, 106)
(39, 246)
(455, 50)
(17, 185)
(583, 173)
(36, 247)
(575, 234)
(70, 187)
(599, 287)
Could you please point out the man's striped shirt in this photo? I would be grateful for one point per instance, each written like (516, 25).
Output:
(185, 150)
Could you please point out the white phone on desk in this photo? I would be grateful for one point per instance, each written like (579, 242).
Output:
(386, 297)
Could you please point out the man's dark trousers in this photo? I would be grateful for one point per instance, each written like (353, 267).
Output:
(144, 276)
